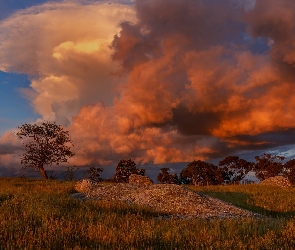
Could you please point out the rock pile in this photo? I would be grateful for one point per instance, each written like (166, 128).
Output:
(277, 181)
(172, 200)
(85, 185)
(140, 179)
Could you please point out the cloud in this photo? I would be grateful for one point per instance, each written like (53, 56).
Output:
(201, 79)
(10, 153)
(64, 47)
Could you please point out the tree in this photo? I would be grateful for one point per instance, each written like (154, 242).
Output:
(124, 169)
(45, 144)
(165, 177)
(268, 165)
(235, 168)
(201, 173)
(289, 171)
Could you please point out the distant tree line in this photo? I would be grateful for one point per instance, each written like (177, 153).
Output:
(233, 170)
(48, 143)
(230, 170)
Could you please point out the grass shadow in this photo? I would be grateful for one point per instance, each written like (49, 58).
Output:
(123, 208)
(5, 197)
(245, 201)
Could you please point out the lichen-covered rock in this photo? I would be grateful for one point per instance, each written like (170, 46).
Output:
(277, 181)
(85, 185)
(140, 179)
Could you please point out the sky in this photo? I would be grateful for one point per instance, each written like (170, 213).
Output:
(163, 82)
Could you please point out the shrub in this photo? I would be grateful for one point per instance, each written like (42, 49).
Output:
(69, 175)
(124, 169)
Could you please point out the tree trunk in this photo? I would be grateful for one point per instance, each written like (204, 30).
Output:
(43, 172)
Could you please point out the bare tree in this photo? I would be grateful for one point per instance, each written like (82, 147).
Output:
(45, 144)
(69, 175)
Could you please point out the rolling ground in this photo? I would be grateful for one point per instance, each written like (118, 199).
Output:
(38, 214)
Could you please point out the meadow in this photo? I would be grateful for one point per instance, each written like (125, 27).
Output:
(38, 214)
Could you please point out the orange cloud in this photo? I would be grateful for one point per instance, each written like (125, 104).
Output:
(201, 79)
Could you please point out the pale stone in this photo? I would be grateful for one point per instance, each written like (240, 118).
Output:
(277, 181)
(140, 179)
(85, 185)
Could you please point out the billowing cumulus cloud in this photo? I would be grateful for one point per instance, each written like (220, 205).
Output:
(161, 80)
(64, 47)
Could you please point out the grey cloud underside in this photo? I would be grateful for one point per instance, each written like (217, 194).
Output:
(6, 149)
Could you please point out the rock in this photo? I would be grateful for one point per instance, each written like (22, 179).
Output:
(85, 185)
(277, 181)
(140, 179)
(170, 200)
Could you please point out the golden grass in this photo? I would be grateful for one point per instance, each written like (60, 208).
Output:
(37, 214)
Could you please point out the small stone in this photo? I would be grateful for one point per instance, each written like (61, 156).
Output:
(277, 181)
(85, 185)
(140, 179)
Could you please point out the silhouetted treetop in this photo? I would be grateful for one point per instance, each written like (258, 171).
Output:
(165, 177)
(45, 144)
(268, 165)
(124, 169)
(235, 168)
(202, 173)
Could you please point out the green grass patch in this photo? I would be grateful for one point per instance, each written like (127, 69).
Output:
(276, 202)
(37, 214)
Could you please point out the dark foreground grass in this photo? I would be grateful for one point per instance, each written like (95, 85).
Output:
(36, 214)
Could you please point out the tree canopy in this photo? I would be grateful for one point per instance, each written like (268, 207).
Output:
(165, 177)
(268, 165)
(45, 144)
(235, 168)
(124, 169)
(202, 173)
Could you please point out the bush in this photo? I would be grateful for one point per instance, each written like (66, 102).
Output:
(69, 175)
(124, 169)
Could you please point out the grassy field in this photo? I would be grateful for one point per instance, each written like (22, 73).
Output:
(37, 214)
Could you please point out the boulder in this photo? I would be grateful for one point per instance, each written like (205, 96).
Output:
(85, 185)
(277, 181)
(140, 179)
